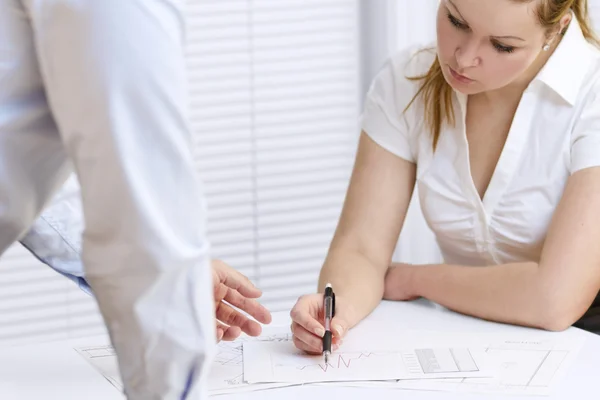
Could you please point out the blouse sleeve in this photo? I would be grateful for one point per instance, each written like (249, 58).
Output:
(383, 118)
(585, 139)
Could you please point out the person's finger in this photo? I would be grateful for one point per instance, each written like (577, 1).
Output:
(250, 306)
(302, 316)
(337, 340)
(237, 281)
(231, 333)
(312, 340)
(304, 347)
(300, 344)
(339, 327)
(232, 317)
(227, 333)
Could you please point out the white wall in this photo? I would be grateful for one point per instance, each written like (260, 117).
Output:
(275, 95)
(415, 24)
(391, 26)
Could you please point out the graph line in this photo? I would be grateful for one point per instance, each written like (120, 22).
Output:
(342, 362)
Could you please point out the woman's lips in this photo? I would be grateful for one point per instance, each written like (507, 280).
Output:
(460, 78)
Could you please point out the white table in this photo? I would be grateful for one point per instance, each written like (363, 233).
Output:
(55, 371)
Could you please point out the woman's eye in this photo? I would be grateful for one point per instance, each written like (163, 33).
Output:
(503, 49)
(462, 26)
(454, 21)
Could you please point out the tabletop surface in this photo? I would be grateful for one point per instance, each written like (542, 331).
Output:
(55, 371)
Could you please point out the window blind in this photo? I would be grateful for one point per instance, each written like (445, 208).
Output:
(37, 304)
(275, 94)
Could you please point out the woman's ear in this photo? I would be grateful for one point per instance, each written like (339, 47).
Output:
(560, 30)
(564, 22)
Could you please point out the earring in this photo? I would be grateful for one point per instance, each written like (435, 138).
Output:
(546, 47)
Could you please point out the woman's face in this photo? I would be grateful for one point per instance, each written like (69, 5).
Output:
(484, 45)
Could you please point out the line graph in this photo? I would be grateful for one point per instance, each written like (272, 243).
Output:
(339, 361)
(282, 362)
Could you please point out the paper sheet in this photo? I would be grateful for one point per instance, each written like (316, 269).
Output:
(226, 374)
(281, 362)
(104, 359)
(525, 367)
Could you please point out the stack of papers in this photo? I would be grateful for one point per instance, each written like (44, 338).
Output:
(281, 362)
(522, 367)
(478, 363)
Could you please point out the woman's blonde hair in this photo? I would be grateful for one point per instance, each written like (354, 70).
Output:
(436, 93)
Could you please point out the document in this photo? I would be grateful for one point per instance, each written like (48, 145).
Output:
(226, 373)
(525, 367)
(281, 362)
(104, 360)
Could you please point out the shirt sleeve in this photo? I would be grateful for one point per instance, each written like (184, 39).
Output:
(55, 237)
(383, 118)
(585, 139)
(119, 94)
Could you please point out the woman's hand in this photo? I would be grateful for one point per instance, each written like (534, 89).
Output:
(308, 323)
(231, 288)
(399, 282)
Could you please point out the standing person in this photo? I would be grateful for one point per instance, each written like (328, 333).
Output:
(100, 86)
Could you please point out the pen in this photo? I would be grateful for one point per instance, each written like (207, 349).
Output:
(328, 312)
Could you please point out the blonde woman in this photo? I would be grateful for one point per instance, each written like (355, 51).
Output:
(499, 126)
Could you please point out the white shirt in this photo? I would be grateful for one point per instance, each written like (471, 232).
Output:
(101, 86)
(555, 132)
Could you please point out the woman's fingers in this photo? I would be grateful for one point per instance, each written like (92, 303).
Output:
(300, 345)
(312, 341)
(304, 314)
(309, 342)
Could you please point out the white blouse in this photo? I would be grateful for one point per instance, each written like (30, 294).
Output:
(555, 132)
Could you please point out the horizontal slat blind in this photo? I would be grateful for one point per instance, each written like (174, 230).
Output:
(275, 106)
(37, 304)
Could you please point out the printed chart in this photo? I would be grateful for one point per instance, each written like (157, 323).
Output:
(280, 362)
